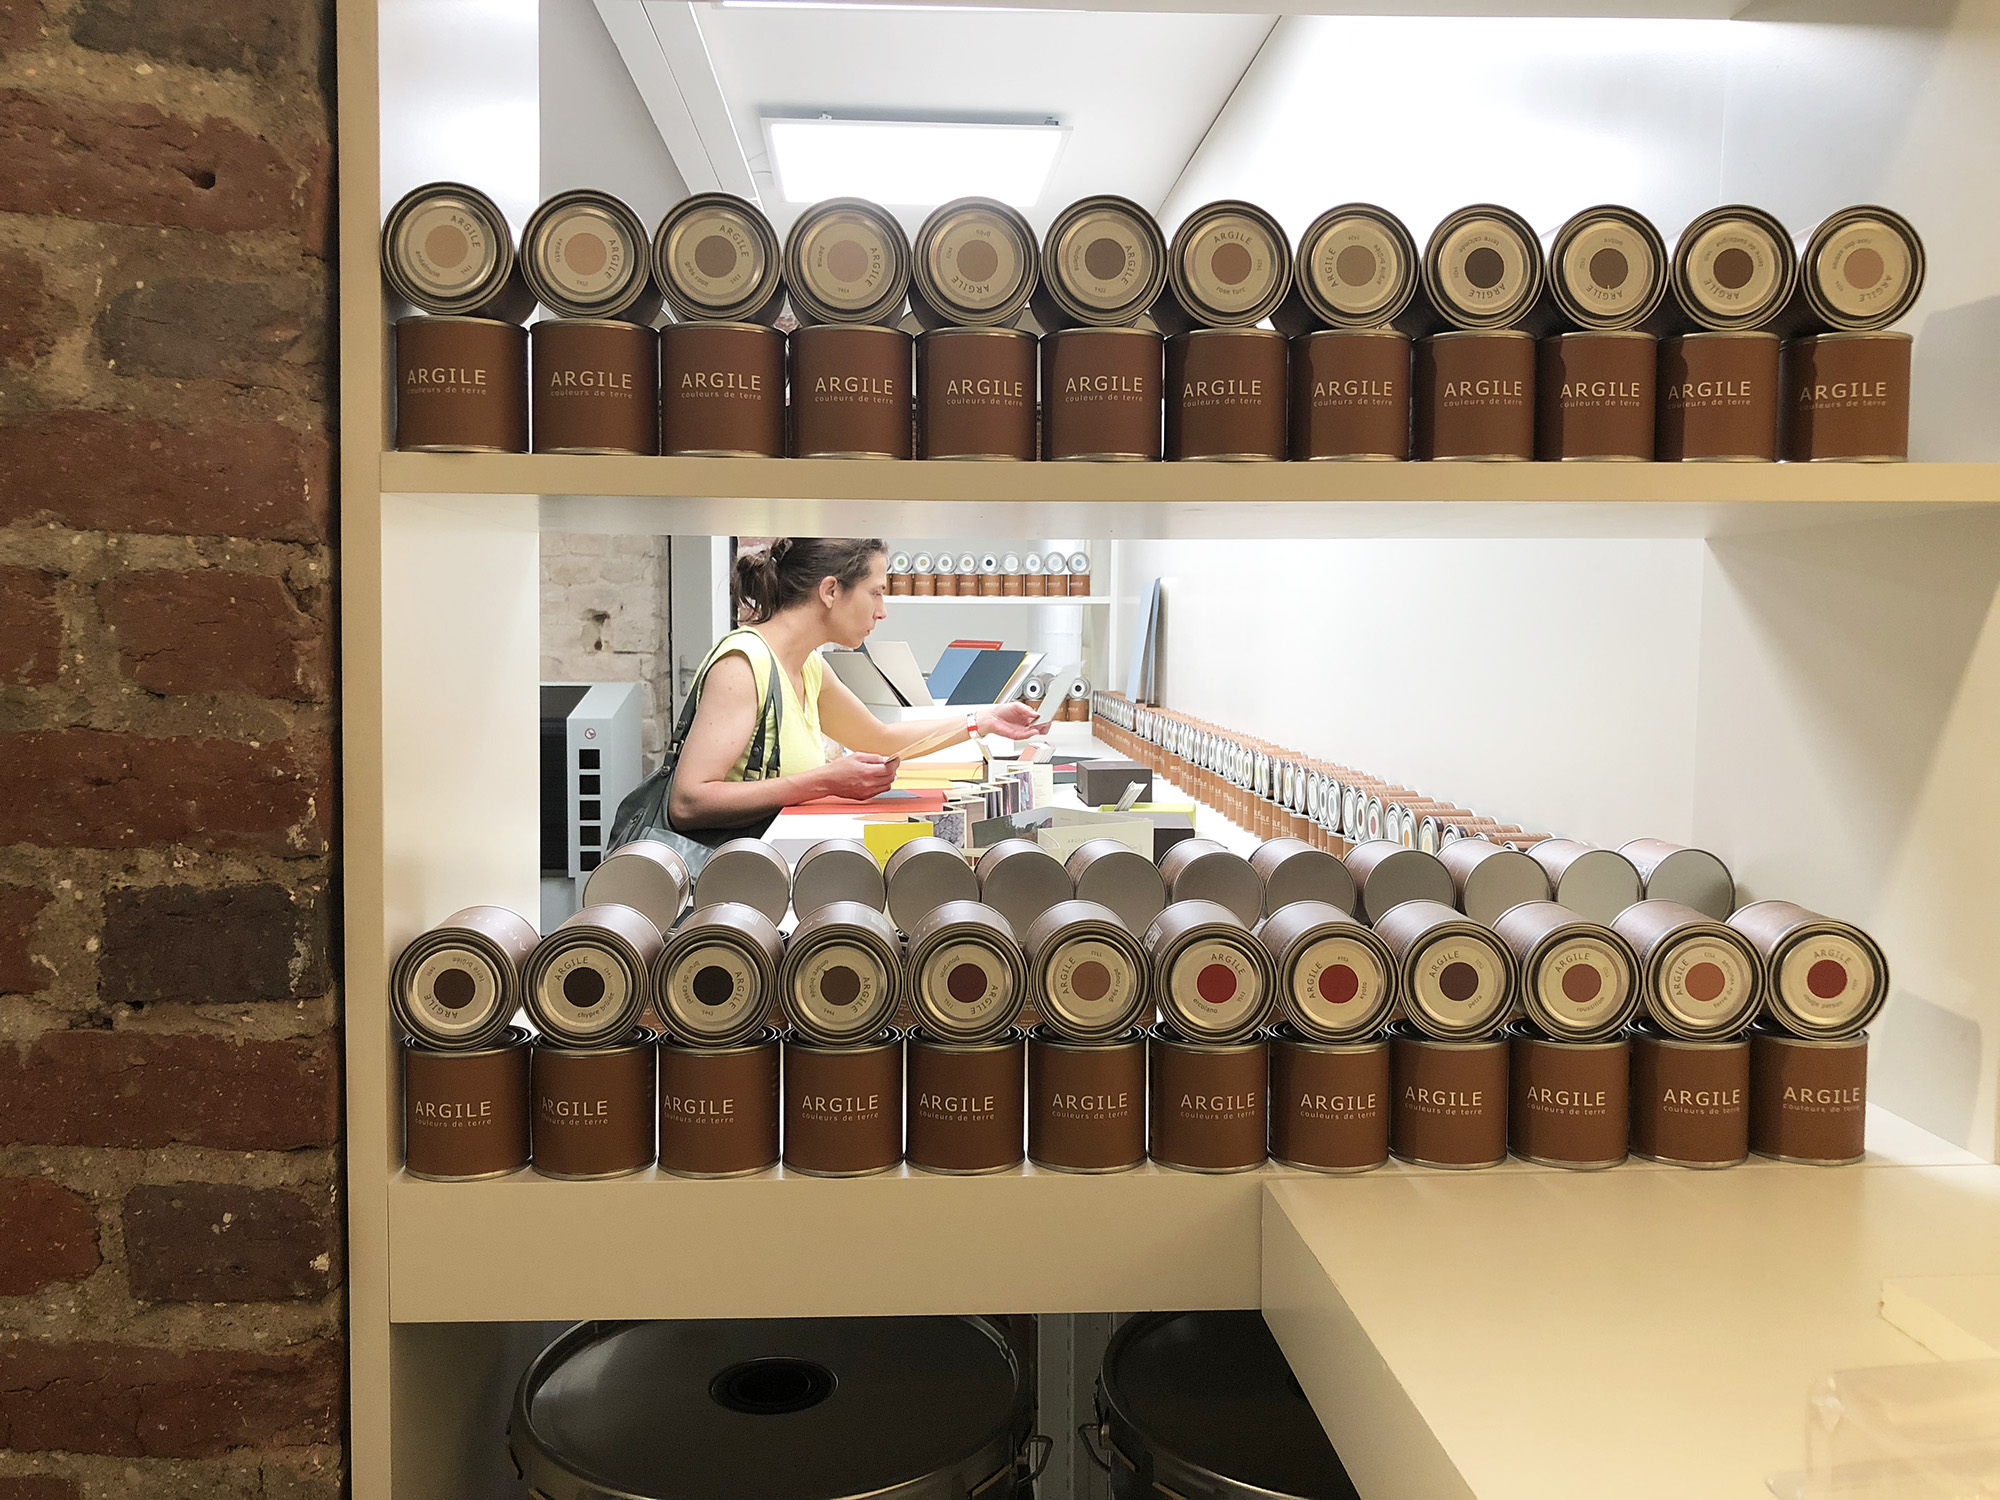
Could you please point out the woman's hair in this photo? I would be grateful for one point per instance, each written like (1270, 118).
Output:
(790, 570)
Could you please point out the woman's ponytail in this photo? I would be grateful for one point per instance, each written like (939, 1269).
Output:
(789, 571)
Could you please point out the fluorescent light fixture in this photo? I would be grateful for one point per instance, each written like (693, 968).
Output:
(911, 163)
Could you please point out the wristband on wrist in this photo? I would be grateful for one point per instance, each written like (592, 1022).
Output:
(972, 726)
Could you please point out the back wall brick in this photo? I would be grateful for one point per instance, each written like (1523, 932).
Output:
(233, 945)
(244, 35)
(20, 974)
(191, 328)
(27, 326)
(216, 632)
(211, 1242)
(31, 630)
(47, 1233)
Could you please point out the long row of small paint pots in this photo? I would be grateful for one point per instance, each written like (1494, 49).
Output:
(989, 575)
(446, 249)
(971, 1108)
(1228, 394)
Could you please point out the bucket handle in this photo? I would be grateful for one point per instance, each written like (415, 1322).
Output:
(1090, 1432)
(1040, 1460)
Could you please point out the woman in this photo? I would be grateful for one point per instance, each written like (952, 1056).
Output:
(801, 594)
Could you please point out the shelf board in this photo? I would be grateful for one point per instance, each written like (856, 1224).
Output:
(759, 496)
(1032, 601)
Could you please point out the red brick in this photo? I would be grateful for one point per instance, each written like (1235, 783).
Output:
(241, 35)
(97, 471)
(47, 1233)
(227, 945)
(36, 1487)
(100, 790)
(20, 974)
(113, 1088)
(124, 163)
(134, 1402)
(215, 632)
(211, 1242)
(249, 333)
(27, 331)
(31, 629)
(21, 24)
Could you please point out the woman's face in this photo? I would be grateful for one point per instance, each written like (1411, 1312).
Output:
(856, 611)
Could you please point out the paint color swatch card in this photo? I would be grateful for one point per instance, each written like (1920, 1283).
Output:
(986, 678)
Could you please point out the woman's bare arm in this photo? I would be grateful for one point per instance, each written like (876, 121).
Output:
(847, 719)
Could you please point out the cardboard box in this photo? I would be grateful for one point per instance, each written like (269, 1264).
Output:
(1100, 783)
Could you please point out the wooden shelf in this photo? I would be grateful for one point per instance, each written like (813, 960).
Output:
(724, 496)
(1032, 601)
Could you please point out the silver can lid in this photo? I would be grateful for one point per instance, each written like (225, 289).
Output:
(714, 983)
(1608, 268)
(446, 248)
(1104, 261)
(842, 975)
(1734, 267)
(847, 261)
(1357, 266)
(1230, 264)
(975, 262)
(716, 258)
(1483, 267)
(584, 255)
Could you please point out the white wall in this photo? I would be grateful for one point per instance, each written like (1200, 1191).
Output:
(595, 129)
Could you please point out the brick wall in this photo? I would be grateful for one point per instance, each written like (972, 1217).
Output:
(170, 1229)
(604, 618)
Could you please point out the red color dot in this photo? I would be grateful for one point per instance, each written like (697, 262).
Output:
(1215, 984)
(1704, 982)
(1338, 984)
(1827, 978)
(1459, 981)
(1581, 982)
(967, 983)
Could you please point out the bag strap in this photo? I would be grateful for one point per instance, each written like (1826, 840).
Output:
(763, 754)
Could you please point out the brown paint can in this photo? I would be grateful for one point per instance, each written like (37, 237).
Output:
(1101, 394)
(1718, 398)
(1226, 394)
(1351, 394)
(844, 1106)
(1209, 1108)
(722, 391)
(850, 391)
(595, 1109)
(976, 393)
(1596, 396)
(1808, 1098)
(461, 386)
(1450, 1106)
(967, 1103)
(719, 1108)
(1475, 394)
(1824, 978)
(1690, 1100)
(1568, 1103)
(1086, 1102)
(465, 1114)
(1329, 1103)
(596, 386)
(1847, 398)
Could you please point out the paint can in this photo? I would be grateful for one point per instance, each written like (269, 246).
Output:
(1594, 883)
(1674, 872)
(595, 1109)
(1209, 1108)
(1351, 394)
(465, 1113)
(1118, 876)
(1860, 269)
(1607, 270)
(1386, 875)
(1690, 1099)
(1718, 398)
(716, 978)
(1226, 395)
(587, 983)
(1101, 394)
(1450, 1105)
(923, 875)
(1597, 397)
(722, 391)
(974, 265)
(967, 1102)
(1823, 978)
(1482, 268)
(1329, 1102)
(847, 261)
(584, 255)
(1356, 268)
(844, 1106)
(1579, 980)
(976, 394)
(717, 260)
(842, 977)
(456, 986)
(647, 875)
(1847, 398)
(1020, 879)
(1808, 1097)
(461, 386)
(596, 386)
(1088, 976)
(749, 871)
(850, 391)
(447, 250)
(1086, 1102)
(719, 1107)
(1698, 978)
(1161, 1418)
(1488, 879)
(1475, 393)
(967, 980)
(1211, 978)
(1569, 1103)
(922, 1408)
(1229, 266)
(1200, 869)
(1336, 979)
(837, 870)
(1104, 265)
(1456, 979)
(1294, 870)
(1734, 268)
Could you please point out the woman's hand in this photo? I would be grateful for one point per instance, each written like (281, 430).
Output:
(857, 777)
(1014, 720)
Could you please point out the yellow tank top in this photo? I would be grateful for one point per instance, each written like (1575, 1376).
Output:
(799, 744)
